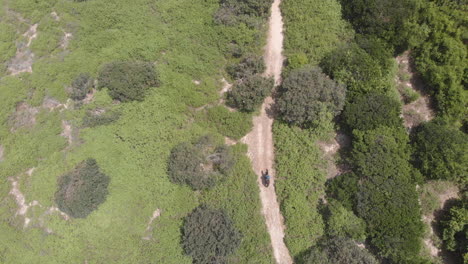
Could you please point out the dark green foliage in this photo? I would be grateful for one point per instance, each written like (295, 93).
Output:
(248, 94)
(342, 222)
(128, 81)
(441, 152)
(344, 189)
(357, 69)
(455, 228)
(392, 20)
(372, 110)
(93, 119)
(307, 94)
(232, 12)
(199, 165)
(248, 66)
(441, 59)
(81, 86)
(339, 250)
(209, 236)
(82, 190)
(387, 197)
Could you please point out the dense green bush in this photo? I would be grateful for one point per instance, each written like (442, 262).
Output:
(357, 69)
(392, 20)
(344, 189)
(387, 199)
(209, 236)
(455, 228)
(441, 151)
(307, 94)
(339, 250)
(248, 66)
(342, 222)
(81, 86)
(128, 81)
(199, 165)
(82, 190)
(248, 94)
(232, 12)
(372, 110)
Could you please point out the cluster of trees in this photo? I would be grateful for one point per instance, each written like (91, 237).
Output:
(435, 30)
(128, 80)
(381, 189)
(209, 235)
(201, 164)
(82, 190)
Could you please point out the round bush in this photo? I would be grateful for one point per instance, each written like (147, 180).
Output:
(82, 190)
(249, 94)
(307, 94)
(199, 165)
(209, 236)
(248, 66)
(128, 81)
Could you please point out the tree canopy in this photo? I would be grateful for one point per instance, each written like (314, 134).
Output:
(82, 190)
(209, 236)
(307, 94)
(372, 110)
(81, 86)
(441, 151)
(248, 94)
(339, 250)
(455, 228)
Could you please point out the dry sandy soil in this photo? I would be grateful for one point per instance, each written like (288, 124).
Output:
(260, 141)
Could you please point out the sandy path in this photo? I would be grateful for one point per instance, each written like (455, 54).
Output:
(260, 140)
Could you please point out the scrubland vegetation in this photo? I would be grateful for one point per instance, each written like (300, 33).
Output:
(161, 48)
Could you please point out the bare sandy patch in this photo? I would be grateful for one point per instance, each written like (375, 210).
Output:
(1, 153)
(67, 131)
(66, 40)
(330, 150)
(24, 116)
(23, 60)
(55, 16)
(419, 111)
(149, 228)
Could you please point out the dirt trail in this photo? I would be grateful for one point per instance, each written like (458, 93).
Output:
(260, 140)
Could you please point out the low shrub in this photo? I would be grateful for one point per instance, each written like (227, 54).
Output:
(128, 81)
(231, 124)
(93, 119)
(342, 222)
(200, 165)
(232, 12)
(81, 86)
(82, 190)
(247, 95)
(209, 236)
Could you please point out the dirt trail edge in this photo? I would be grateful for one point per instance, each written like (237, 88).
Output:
(260, 140)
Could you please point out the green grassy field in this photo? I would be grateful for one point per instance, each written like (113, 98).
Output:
(182, 40)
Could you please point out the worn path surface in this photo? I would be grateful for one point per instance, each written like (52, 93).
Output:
(260, 140)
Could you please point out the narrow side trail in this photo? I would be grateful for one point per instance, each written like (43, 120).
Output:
(260, 140)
